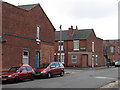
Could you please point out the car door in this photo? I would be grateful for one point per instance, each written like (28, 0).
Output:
(29, 72)
(58, 70)
(23, 73)
(53, 69)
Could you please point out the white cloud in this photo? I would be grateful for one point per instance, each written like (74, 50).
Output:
(101, 15)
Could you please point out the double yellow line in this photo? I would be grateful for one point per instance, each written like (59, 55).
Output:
(110, 85)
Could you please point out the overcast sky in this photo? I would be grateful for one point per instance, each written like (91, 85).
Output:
(101, 15)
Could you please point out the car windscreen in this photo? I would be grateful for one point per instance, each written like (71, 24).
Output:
(43, 65)
(14, 69)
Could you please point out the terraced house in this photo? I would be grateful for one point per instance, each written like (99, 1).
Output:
(111, 50)
(79, 48)
(27, 36)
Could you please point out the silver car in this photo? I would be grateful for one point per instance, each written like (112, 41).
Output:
(117, 63)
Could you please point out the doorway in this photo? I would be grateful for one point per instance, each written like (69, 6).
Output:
(37, 60)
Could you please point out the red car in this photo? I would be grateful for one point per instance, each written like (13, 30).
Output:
(18, 73)
(49, 69)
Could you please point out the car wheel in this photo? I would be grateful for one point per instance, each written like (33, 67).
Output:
(61, 73)
(32, 77)
(49, 75)
(16, 79)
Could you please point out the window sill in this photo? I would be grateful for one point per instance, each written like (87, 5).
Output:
(76, 49)
(74, 62)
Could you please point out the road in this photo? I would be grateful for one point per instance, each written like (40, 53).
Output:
(73, 79)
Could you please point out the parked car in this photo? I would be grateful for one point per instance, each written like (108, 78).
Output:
(117, 63)
(50, 69)
(18, 73)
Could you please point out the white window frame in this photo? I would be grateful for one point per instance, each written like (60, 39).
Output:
(112, 49)
(62, 46)
(93, 46)
(74, 58)
(62, 59)
(25, 58)
(76, 45)
(38, 32)
(96, 60)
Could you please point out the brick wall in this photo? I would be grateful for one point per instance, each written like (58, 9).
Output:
(87, 44)
(20, 29)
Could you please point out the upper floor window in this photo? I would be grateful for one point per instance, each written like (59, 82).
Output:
(76, 44)
(60, 45)
(38, 30)
(93, 46)
(112, 49)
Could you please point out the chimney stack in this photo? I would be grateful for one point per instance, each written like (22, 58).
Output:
(70, 32)
(76, 27)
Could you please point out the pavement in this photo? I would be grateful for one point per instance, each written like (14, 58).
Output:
(69, 69)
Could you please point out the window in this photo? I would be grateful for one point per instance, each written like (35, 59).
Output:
(38, 30)
(74, 58)
(23, 69)
(25, 57)
(58, 58)
(29, 68)
(96, 59)
(93, 46)
(57, 65)
(62, 57)
(111, 49)
(53, 65)
(61, 65)
(76, 44)
(61, 46)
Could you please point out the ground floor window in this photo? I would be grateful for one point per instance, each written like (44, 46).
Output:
(96, 59)
(25, 57)
(74, 58)
(62, 57)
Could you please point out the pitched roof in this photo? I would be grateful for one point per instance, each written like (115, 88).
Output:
(77, 34)
(110, 42)
(27, 7)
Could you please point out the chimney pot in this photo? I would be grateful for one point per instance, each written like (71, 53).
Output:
(71, 27)
(76, 27)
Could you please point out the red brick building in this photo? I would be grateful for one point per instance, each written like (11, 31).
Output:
(111, 50)
(80, 48)
(27, 36)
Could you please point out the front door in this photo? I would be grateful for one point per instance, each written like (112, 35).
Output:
(37, 60)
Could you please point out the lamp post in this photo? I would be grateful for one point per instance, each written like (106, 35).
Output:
(60, 40)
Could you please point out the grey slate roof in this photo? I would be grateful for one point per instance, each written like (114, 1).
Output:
(77, 34)
(27, 7)
(110, 42)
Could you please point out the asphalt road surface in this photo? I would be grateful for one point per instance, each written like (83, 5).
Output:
(73, 79)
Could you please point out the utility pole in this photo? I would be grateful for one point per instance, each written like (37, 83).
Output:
(60, 40)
